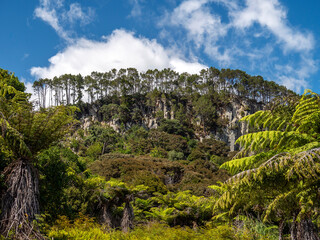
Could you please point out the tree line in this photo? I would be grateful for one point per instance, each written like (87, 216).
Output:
(73, 89)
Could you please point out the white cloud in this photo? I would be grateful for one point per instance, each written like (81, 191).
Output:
(54, 13)
(181, 66)
(294, 77)
(202, 26)
(244, 37)
(76, 13)
(50, 16)
(29, 89)
(295, 84)
(136, 9)
(119, 50)
(272, 15)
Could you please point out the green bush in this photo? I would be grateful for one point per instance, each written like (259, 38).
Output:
(168, 141)
(173, 155)
(158, 152)
(94, 150)
(217, 160)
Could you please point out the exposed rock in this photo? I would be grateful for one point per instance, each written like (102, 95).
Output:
(229, 131)
(234, 129)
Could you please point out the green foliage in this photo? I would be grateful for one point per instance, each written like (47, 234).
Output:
(159, 174)
(11, 80)
(206, 110)
(173, 155)
(99, 140)
(126, 98)
(208, 148)
(182, 209)
(94, 150)
(56, 166)
(82, 228)
(158, 152)
(24, 131)
(174, 127)
(280, 178)
(217, 160)
(254, 229)
(85, 228)
(167, 141)
(110, 111)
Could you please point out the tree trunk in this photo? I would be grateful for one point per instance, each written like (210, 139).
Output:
(105, 217)
(304, 230)
(103, 148)
(281, 225)
(127, 218)
(20, 203)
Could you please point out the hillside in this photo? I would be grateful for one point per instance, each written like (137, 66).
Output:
(173, 160)
(206, 105)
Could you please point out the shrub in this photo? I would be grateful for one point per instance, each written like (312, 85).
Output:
(85, 228)
(94, 150)
(168, 141)
(173, 155)
(158, 152)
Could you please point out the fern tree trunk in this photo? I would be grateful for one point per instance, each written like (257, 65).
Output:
(304, 230)
(20, 203)
(127, 218)
(106, 216)
(281, 226)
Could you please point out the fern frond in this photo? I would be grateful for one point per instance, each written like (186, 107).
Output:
(306, 165)
(277, 203)
(236, 165)
(14, 139)
(260, 140)
(308, 105)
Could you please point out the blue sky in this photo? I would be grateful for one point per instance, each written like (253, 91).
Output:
(277, 39)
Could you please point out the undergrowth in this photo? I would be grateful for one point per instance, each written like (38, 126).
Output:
(85, 228)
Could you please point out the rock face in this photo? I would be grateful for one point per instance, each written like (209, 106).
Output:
(227, 132)
(234, 129)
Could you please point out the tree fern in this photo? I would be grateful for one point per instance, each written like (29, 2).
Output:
(24, 132)
(278, 167)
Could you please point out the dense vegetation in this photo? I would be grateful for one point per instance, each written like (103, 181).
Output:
(64, 178)
(69, 89)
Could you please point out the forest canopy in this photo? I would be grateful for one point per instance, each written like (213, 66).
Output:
(70, 89)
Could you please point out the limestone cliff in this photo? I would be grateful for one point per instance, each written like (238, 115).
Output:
(227, 129)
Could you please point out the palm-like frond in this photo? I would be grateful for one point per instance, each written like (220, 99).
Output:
(281, 159)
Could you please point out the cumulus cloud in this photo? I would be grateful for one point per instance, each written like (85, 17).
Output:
(119, 50)
(248, 35)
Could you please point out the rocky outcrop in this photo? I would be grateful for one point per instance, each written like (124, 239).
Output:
(234, 128)
(229, 129)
